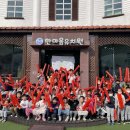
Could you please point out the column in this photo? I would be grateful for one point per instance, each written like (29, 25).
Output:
(34, 62)
(36, 12)
(84, 67)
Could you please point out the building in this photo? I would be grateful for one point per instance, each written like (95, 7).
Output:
(95, 33)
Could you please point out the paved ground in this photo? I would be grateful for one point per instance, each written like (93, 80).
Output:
(57, 123)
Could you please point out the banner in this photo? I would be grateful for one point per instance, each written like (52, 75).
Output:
(63, 61)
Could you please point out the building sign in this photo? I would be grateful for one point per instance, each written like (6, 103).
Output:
(39, 41)
(64, 41)
(60, 41)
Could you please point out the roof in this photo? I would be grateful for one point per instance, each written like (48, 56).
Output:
(68, 27)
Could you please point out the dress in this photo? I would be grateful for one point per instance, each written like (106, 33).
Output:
(41, 108)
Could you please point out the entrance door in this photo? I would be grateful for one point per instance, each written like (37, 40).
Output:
(60, 58)
(111, 57)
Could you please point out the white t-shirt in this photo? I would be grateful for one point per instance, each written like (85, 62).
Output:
(24, 104)
(71, 78)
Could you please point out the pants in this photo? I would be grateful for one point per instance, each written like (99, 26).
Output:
(50, 113)
(65, 112)
(21, 112)
(73, 113)
(4, 113)
(13, 111)
(121, 114)
(101, 111)
(110, 114)
(127, 112)
(28, 111)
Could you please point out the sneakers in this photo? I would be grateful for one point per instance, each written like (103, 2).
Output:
(3, 121)
(112, 123)
(43, 119)
(36, 118)
(54, 118)
(67, 119)
(74, 119)
(84, 119)
(71, 119)
(119, 122)
(124, 123)
(28, 118)
(16, 116)
(39, 118)
(59, 118)
(49, 118)
(79, 118)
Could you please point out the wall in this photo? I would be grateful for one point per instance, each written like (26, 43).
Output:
(27, 15)
(99, 14)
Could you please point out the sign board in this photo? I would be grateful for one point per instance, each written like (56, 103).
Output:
(60, 41)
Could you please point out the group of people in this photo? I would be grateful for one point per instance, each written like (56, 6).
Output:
(58, 96)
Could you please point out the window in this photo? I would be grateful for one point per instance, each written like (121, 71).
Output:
(11, 60)
(15, 9)
(113, 7)
(111, 57)
(63, 9)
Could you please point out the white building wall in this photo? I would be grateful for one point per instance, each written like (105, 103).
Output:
(91, 12)
(120, 20)
(83, 15)
(27, 15)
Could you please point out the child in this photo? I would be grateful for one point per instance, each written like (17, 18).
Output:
(120, 105)
(53, 111)
(40, 109)
(73, 105)
(64, 109)
(5, 110)
(110, 106)
(127, 105)
(24, 104)
(80, 110)
(32, 104)
(71, 76)
(14, 108)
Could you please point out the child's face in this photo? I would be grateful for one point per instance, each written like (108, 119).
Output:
(54, 92)
(81, 99)
(6, 81)
(128, 90)
(80, 92)
(42, 97)
(54, 101)
(38, 90)
(55, 80)
(24, 98)
(110, 94)
(119, 91)
(70, 72)
(16, 81)
(6, 102)
(61, 92)
(65, 100)
(34, 97)
(89, 93)
(18, 95)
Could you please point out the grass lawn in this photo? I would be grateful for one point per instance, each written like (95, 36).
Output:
(12, 126)
(104, 127)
